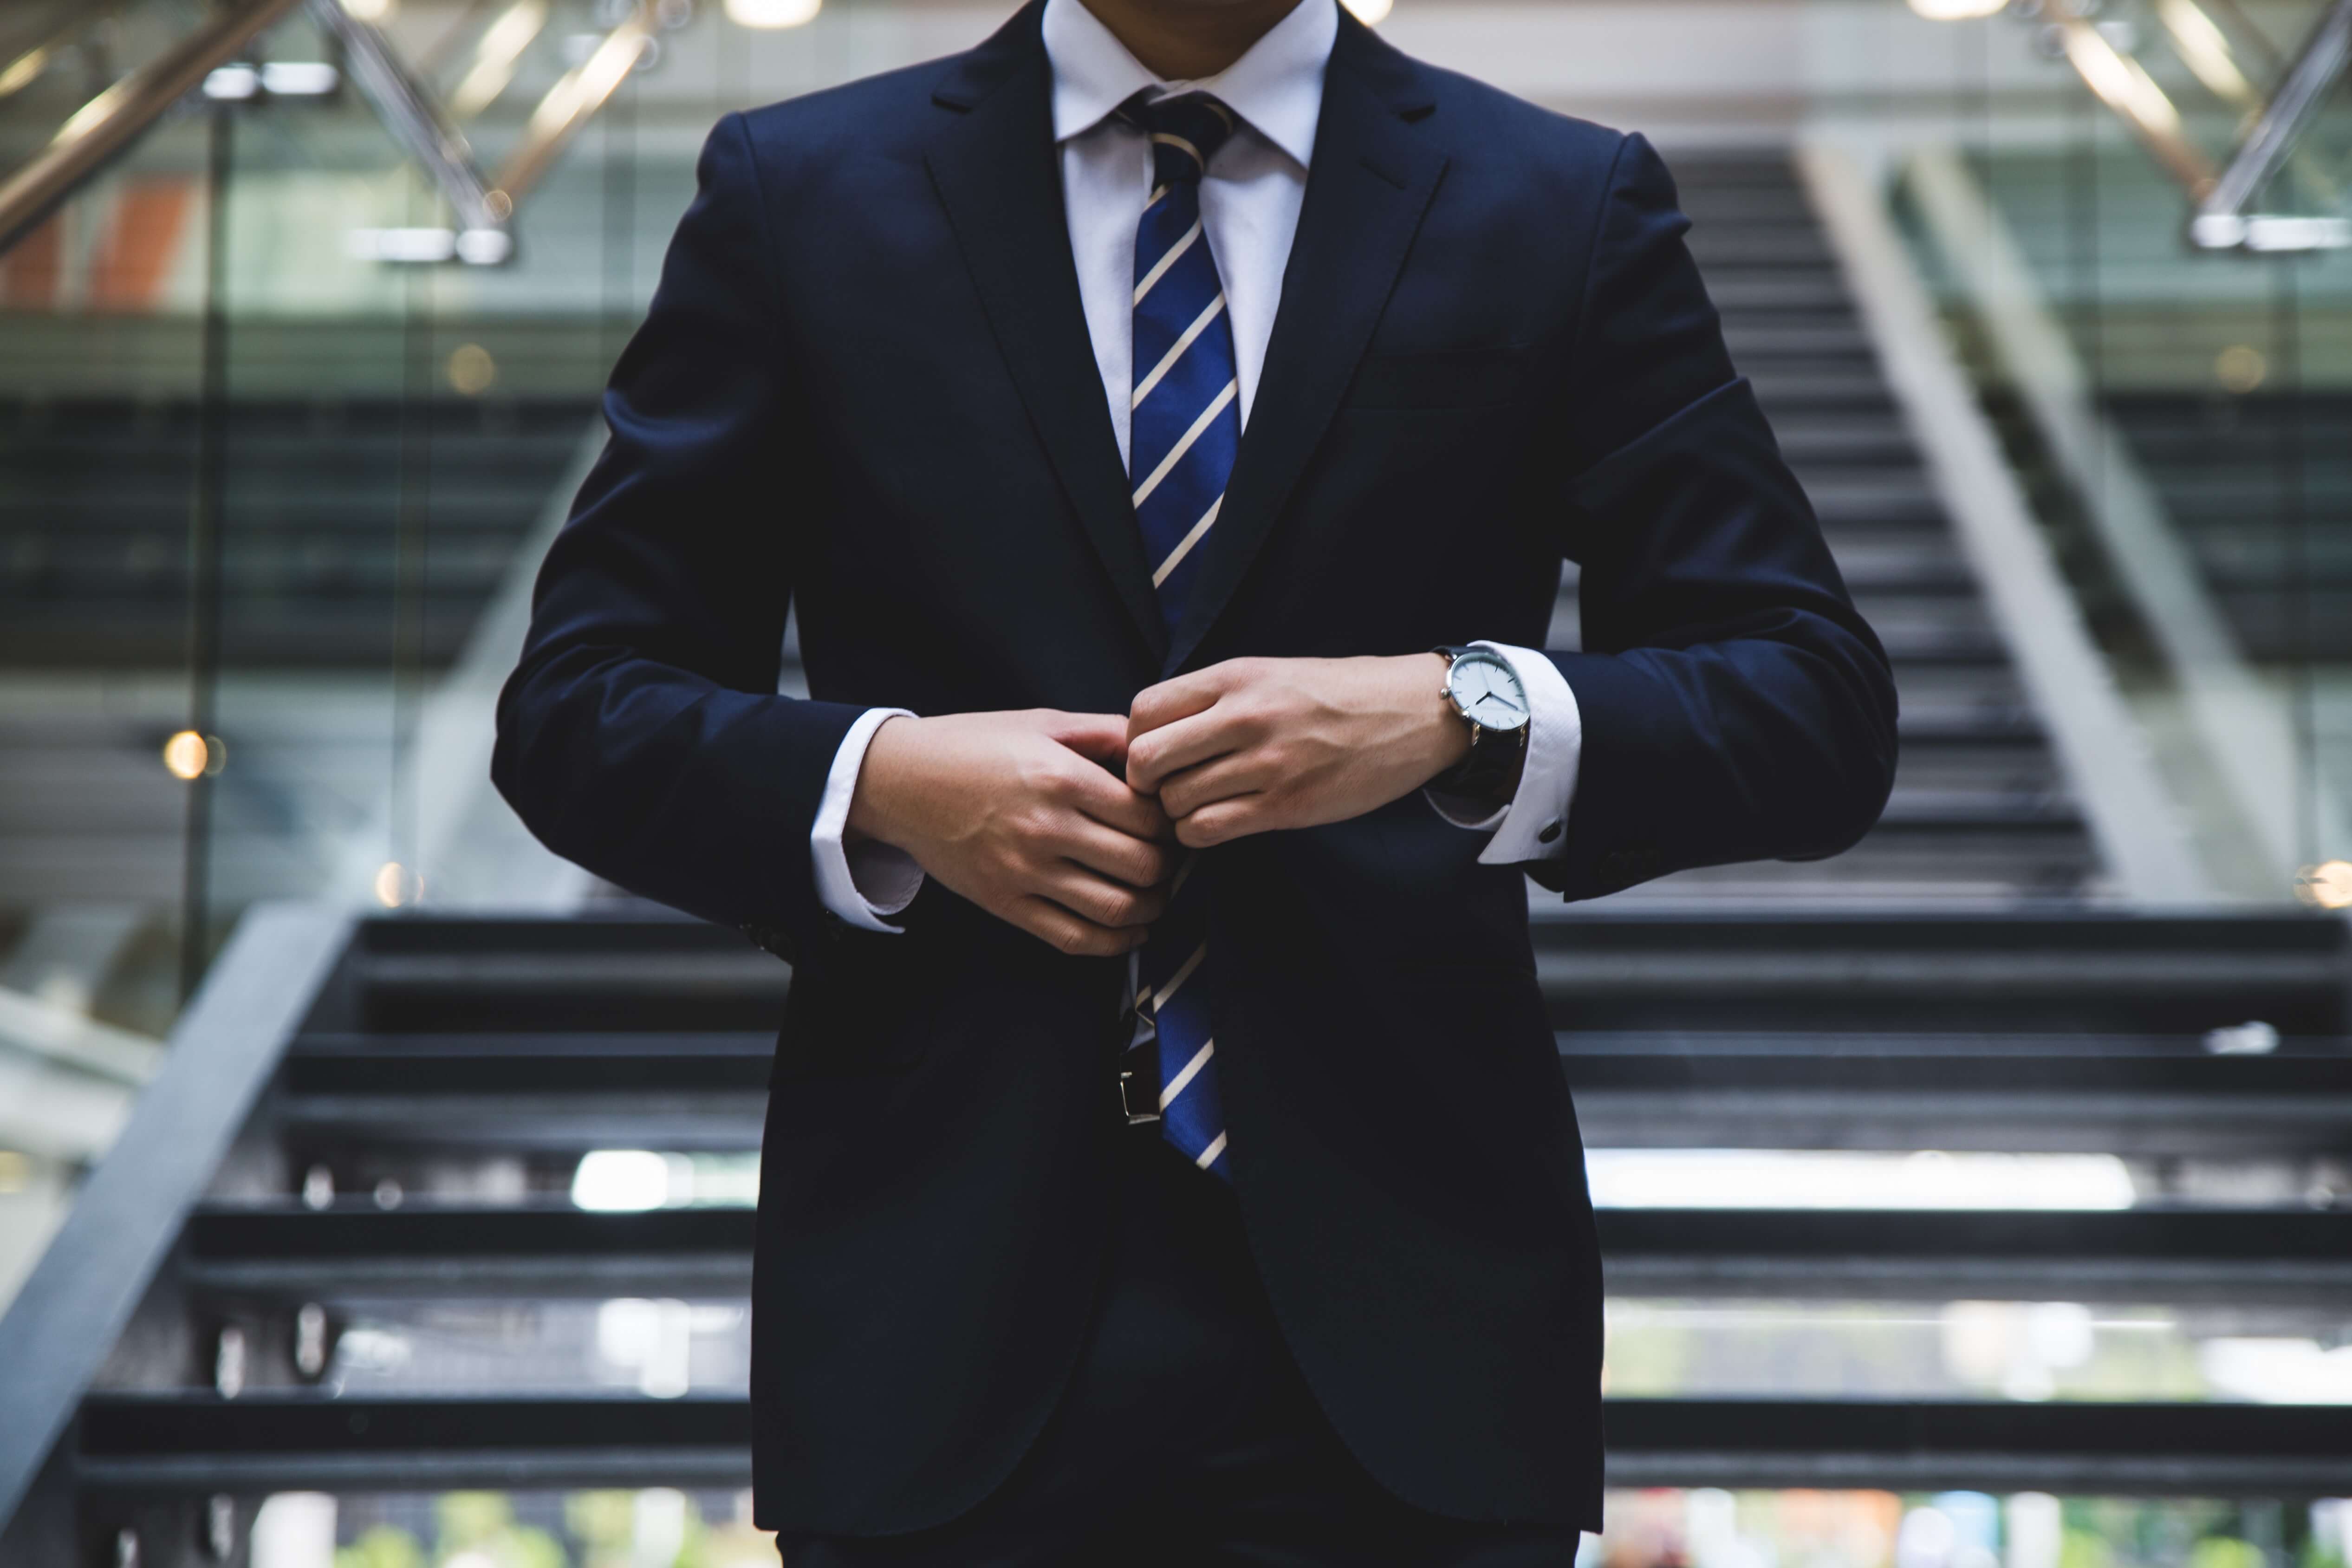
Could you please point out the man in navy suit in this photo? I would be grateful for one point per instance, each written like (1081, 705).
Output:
(1169, 419)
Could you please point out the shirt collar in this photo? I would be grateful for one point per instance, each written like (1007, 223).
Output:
(1276, 87)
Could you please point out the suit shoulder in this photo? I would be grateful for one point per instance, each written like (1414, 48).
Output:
(1477, 110)
(873, 111)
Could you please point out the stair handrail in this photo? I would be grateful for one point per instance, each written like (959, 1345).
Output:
(94, 134)
(575, 100)
(2138, 826)
(26, 52)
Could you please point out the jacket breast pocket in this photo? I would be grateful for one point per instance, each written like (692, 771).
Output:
(1441, 378)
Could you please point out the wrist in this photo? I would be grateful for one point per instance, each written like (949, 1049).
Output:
(1444, 734)
(872, 814)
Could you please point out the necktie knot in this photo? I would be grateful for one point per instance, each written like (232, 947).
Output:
(1186, 132)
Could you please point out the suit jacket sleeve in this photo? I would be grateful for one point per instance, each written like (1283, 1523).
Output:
(1734, 705)
(641, 735)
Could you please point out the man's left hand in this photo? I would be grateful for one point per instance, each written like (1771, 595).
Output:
(1254, 744)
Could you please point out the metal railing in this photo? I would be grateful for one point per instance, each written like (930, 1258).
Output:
(483, 209)
(415, 121)
(2225, 197)
(102, 129)
(2223, 220)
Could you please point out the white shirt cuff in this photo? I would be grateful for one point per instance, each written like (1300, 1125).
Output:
(867, 882)
(1534, 826)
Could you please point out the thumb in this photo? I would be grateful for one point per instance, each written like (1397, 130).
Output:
(1097, 737)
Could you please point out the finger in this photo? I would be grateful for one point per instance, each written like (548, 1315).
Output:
(1103, 797)
(1098, 900)
(1119, 856)
(1097, 737)
(1059, 928)
(1184, 743)
(1184, 793)
(1156, 706)
(1227, 820)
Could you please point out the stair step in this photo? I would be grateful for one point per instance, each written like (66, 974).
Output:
(538, 1251)
(270, 1441)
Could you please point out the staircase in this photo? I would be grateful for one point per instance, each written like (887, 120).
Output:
(431, 1204)
(418, 1256)
(1981, 811)
(2232, 471)
(359, 544)
(338, 516)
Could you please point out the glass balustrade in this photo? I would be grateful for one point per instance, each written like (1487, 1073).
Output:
(2174, 386)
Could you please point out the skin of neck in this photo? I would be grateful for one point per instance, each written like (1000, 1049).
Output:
(1185, 40)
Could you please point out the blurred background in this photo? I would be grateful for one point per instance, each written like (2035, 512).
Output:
(374, 1189)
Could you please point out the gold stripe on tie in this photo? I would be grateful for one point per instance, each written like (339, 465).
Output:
(1208, 416)
(1170, 139)
(1184, 545)
(1176, 1085)
(1159, 268)
(1168, 361)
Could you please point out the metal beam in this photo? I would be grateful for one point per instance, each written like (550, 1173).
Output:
(414, 118)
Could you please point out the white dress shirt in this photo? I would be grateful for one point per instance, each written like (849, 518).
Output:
(1250, 199)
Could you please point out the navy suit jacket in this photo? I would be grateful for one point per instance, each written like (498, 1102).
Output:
(865, 389)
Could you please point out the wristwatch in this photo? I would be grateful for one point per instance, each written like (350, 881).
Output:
(1485, 693)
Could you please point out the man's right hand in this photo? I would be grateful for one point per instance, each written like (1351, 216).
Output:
(1021, 814)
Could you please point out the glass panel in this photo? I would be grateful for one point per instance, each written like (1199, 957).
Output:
(100, 364)
(400, 430)
(2202, 505)
(100, 331)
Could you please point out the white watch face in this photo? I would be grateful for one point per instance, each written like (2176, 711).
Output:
(1486, 691)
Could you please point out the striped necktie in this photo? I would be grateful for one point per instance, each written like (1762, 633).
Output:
(1186, 427)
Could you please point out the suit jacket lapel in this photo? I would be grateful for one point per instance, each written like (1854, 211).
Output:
(1372, 179)
(997, 172)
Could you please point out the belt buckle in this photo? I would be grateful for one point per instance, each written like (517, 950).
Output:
(1130, 1086)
